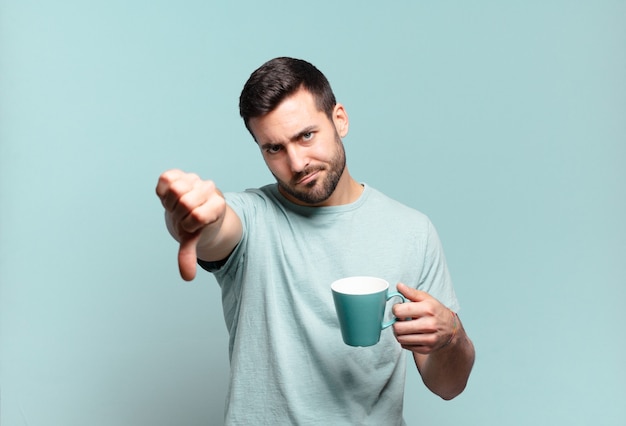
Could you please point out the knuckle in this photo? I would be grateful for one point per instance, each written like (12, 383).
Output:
(431, 340)
(170, 175)
(208, 186)
(179, 186)
(186, 204)
(399, 310)
(192, 178)
(199, 216)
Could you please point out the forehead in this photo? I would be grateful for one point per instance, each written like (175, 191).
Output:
(294, 113)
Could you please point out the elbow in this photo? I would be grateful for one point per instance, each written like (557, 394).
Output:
(451, 392)
(449, 377)
(452, 389)
(453, 386)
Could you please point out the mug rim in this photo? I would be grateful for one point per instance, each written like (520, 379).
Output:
(367, 285)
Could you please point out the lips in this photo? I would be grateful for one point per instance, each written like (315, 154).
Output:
(308, 178)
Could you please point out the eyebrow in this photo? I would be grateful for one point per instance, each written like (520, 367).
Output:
(303, 132)
(295, 137)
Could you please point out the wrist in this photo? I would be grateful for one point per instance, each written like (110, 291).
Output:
(456, 323)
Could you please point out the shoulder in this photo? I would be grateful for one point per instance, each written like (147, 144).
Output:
(383, 203)
(252, 198)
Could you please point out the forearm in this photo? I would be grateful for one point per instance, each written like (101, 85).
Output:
(446, 371)
(217, 243)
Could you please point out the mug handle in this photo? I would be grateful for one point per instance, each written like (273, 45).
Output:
(389, 296)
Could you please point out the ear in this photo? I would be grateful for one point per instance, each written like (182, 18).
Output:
(340, 119)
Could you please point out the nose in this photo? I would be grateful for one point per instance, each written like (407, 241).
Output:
(298, 159)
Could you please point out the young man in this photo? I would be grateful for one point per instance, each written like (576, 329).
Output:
(276, 250)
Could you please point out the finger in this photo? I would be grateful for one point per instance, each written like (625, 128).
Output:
(413, 294)
(419, 326)
(206, 210)
(416, 340)
(187, 257)
(417, 304)
(423, 340)
(193, 201)
(165, 180)
(420, 349)
(174, 187)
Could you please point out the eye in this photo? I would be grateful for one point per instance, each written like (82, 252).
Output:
(273, 149)
(307, 136)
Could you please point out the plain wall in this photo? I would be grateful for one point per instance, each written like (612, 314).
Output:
(505, 122)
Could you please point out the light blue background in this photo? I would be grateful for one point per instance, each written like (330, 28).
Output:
(504, 121)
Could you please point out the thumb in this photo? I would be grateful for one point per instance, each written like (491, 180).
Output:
(412, 294)
(187, 257)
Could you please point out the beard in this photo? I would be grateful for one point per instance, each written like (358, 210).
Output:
(316, 191)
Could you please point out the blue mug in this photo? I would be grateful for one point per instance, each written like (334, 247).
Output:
(360, 304)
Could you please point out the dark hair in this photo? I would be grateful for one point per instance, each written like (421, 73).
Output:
(279, 78)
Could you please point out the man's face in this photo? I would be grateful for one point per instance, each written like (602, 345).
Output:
(302, 148)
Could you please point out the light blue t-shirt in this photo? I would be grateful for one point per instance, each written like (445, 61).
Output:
(289, 365)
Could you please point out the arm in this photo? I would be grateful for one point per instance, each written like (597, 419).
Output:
(198, 217)
(443, 357)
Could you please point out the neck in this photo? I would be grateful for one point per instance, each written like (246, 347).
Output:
(347, 191)
(353, 191)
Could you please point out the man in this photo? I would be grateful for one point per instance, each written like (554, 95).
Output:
(275, 251)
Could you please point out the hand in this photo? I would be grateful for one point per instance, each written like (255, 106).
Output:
(192, 206)
(429, 325)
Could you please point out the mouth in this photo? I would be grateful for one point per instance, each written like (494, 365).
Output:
(308, 178)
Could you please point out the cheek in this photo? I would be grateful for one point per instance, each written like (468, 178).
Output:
(322, 152)
(278, 168)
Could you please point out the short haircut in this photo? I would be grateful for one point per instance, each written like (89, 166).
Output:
(276, 80)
